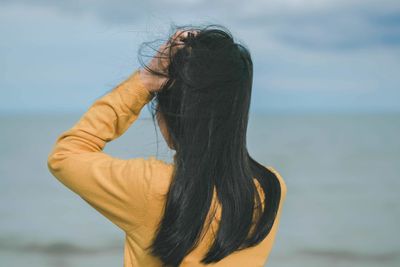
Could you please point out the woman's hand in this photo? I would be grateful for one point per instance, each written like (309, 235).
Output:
(160, 61)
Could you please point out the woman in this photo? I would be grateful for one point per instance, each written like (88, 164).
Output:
(208, 205)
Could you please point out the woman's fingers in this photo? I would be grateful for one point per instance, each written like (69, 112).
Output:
(173, 44)
(182, 35)
(160, 61)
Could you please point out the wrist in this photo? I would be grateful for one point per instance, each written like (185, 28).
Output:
(146, 79)
(150, 81)
(144, 88)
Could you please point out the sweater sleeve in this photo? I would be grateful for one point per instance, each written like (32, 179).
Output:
(115, 187)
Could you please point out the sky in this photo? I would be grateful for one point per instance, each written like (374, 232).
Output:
(309, 56)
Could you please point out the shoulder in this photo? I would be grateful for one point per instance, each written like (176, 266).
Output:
(141, 169)
(161, 174)
(158, 162)
(281, 180)
(159, 166)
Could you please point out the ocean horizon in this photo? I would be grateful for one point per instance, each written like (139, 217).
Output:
(342, 172)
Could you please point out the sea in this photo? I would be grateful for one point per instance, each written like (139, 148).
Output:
(342, 173)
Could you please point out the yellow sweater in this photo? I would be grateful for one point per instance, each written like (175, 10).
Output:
(130, 192)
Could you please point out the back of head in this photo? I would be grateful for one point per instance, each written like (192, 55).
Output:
(205, 105)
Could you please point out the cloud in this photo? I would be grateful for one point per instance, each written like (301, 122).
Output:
(122, 11)
(329, 27)
(323, 24)
(306, 53)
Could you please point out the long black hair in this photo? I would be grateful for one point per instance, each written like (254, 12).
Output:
(205, 103)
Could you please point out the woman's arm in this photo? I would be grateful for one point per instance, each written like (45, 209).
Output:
(117, 188)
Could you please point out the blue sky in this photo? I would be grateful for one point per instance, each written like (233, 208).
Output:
(326, 55)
